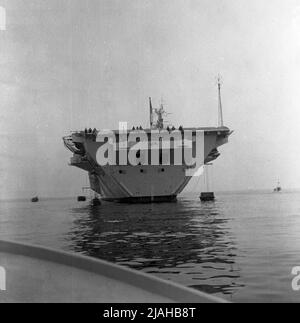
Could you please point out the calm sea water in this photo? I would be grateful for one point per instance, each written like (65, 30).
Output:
(241, 247)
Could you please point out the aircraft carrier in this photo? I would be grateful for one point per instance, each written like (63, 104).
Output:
(139, 179)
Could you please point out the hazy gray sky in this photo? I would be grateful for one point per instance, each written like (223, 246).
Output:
(70, 64)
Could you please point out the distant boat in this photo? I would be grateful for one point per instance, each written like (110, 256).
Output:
(207, 196)
(35, 199)
(277, 188)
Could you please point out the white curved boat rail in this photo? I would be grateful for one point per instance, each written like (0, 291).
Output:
(135, 285)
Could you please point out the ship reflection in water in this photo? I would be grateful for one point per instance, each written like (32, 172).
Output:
(187, 243)
(241, 247)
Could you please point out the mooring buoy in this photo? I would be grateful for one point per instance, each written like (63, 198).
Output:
(207, 196)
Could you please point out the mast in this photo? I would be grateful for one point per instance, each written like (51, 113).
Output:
(151, 113)
(220, 112)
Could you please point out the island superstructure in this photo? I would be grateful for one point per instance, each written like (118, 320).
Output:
(143, 181)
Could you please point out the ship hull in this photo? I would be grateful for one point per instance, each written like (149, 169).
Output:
(143, 199)
(139, 183)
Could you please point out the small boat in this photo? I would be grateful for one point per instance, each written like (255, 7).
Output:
(82, 198)
(277, 188)
(35, 199)
(37, 274)
(207, 196)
